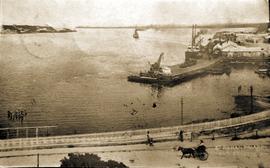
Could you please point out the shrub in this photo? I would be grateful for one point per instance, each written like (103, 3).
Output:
(89, 160)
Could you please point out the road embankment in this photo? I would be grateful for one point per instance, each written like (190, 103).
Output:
(220, 128)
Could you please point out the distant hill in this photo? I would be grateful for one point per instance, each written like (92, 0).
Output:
(22, 29)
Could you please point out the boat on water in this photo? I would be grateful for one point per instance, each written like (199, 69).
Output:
(263, 71)
(136, 34)
(170, 76)
(156, 74)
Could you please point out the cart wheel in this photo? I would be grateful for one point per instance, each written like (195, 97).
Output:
(203, 156)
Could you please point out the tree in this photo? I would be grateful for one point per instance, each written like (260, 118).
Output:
(89, 160)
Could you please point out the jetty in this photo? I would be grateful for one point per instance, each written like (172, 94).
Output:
(201, 68)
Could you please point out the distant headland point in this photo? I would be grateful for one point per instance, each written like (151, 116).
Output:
(24, 29)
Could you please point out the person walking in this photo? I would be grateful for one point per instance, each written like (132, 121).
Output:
(239, 89)
(181, 136)
(149, 139)
(9, 114)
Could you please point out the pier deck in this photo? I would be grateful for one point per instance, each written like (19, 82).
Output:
(201, 64)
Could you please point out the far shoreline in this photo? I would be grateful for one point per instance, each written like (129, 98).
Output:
(178, 26)
(32, 29)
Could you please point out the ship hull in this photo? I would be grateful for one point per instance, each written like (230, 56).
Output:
(176, 78)
(149, 80)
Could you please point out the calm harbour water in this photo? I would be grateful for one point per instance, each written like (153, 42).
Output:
(78, 81)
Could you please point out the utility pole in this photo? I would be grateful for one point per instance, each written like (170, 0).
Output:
(235, 133)
(37, 135)
(17, 132)
(182, 106)
(251, 99)
(26, 133)
(7, 134)
(38, 160)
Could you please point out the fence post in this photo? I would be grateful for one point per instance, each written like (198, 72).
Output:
(7, 134)
(213, 135)
(26, 134)
(36, 135)
(17, 133)
(235, 133)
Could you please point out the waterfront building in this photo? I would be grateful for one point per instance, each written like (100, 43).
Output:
(250, 38)
(225, 35)
(232, 50)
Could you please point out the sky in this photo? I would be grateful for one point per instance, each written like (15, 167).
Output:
(132, 12)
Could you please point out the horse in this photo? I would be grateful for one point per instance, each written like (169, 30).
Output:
(186, 151)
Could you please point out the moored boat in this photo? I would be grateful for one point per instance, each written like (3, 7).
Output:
(136, 35)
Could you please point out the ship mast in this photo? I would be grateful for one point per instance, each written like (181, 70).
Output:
(193, 36)
(1, 15)
(269, 13)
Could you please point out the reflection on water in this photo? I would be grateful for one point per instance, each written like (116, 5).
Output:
(77, 81)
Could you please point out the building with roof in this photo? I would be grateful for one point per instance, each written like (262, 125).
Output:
(232, 50)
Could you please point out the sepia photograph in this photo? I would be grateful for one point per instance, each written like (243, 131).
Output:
(135, 83)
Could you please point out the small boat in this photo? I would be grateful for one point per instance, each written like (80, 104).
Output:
(136, 35)
(156, 74)
(263, 70)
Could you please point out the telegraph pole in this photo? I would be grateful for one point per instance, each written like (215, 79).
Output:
(182, 106)
(38, 160)
(251, 99)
